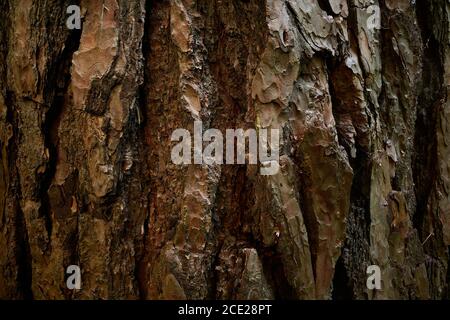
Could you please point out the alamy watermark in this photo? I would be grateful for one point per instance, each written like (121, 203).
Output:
(263, 147)
(74, 20)
(374, 20)
(374, 279)
(73, 281)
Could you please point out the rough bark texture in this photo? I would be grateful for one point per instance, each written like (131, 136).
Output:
(86, 176)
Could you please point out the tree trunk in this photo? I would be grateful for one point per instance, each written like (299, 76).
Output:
(87, 179)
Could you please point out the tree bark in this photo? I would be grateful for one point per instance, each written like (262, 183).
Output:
(86, 176)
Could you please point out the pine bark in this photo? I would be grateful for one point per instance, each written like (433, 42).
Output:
(86, 176)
